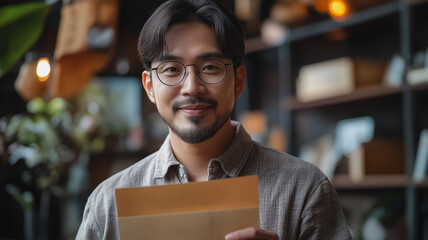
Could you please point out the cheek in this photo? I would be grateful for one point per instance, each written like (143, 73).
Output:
(227, 97)
(163, 94)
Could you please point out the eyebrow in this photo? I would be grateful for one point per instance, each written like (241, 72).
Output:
(201, 56)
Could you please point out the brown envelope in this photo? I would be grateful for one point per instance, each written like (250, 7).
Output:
(197, 210)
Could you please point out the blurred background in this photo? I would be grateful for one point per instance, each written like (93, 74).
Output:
(340, 83)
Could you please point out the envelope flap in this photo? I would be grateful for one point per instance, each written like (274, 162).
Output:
(229, 193)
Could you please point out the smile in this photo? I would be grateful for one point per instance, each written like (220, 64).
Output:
(196, 110)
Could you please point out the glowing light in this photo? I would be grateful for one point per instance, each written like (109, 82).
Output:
(43, 69)
(338, 8)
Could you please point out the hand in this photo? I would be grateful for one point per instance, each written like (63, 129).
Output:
(251, 233)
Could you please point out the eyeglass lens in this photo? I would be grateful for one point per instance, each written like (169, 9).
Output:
(209, 70)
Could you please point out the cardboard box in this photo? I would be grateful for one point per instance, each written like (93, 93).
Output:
(377, 157)
(337, 77)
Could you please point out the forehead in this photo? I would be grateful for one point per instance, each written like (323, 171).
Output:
(189, 41)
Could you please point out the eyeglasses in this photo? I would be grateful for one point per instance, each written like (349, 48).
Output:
(210, 71)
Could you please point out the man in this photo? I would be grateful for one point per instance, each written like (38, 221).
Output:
(192, 52)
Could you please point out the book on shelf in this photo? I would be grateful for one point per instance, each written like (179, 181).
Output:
(421, 161)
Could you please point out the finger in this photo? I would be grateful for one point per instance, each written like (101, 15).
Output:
(251, 233)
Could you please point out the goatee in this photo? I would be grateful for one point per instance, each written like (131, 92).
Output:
(197, 134)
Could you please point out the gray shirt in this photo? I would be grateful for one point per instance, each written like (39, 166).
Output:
(296, 200)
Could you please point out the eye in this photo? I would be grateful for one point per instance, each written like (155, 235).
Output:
(170, 69)
(209, 68)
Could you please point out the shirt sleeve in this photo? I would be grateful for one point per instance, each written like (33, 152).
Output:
(88, 228)
(322, 216)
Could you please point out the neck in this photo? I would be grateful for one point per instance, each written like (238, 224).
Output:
(195, 157)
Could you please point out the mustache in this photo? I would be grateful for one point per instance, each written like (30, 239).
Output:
(193, 100)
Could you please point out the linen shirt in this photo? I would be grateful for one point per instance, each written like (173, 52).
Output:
(296, 200)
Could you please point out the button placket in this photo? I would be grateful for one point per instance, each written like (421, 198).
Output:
(182, 174)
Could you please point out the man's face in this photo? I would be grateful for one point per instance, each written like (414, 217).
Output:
(194, 110)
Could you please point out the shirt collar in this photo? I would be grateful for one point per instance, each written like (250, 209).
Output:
(231, 162)
(165, 159)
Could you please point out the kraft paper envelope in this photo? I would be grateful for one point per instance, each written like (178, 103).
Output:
(197, 210)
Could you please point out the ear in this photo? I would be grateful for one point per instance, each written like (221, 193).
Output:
(148, 86)
(239, 81)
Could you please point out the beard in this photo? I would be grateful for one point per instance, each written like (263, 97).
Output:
(197, 133)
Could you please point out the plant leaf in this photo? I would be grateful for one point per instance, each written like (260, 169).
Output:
(20, 27)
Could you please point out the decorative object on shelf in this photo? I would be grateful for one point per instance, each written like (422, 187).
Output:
(385, 219)
(373, 228)
(85, 44)
(337, 77)
(350, 135)
(356, 216)
(355, 140)
(421, 161)
(321, 153)
(395, 71)
(418, 74)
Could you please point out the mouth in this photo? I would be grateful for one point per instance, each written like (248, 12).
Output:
(195, 107)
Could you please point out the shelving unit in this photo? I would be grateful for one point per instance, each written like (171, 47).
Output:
(359, 94)
(422, 184)
(401, 112)
(343, 182)
(328, 25)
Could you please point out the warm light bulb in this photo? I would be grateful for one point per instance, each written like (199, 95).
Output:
(338, 8)
(43, 69)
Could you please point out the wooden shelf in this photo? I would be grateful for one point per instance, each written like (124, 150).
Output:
(423, 183)
(416, 2)
(343, 182)
(358, 94)
(419, 87)
(299, 33)
(314, 29)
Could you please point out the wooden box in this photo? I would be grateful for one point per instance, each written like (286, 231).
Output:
(337, 77)
(377, 157)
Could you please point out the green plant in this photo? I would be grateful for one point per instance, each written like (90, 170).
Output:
(41, 139)
(50, 136)
(20, 27)
(44, 152)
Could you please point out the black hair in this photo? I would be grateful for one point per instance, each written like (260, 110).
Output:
(151, 42)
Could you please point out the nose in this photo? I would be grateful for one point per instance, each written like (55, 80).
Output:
(192, 85)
